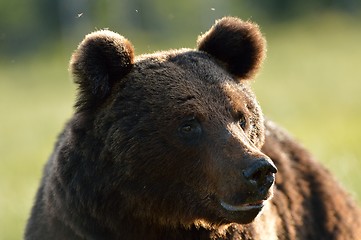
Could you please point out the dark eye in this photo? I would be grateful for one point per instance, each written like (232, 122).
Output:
(242, 122)
(186, 129)
(190, 130)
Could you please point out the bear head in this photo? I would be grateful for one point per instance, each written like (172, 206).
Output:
(169, 138)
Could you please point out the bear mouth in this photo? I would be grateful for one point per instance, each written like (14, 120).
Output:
(258, 205)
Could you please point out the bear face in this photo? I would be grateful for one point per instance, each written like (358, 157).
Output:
(180, 131)
(159, 141)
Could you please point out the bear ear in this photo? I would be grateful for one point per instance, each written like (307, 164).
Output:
(102, 58)
(238, 45)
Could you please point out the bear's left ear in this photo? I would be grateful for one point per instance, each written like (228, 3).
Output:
(102, 58)
(238, 45)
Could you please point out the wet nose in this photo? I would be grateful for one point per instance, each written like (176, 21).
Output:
(260, 173)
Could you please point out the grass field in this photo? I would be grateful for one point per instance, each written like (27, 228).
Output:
(310, 84)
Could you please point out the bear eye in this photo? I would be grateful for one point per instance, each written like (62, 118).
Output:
(186, 129)
(190, 130)
(242, 122)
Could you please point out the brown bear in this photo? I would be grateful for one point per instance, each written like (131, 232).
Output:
(173, 145)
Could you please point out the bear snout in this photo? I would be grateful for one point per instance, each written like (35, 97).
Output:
(257, 177)
(260, 174)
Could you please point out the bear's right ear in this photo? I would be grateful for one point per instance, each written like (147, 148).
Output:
(102, 58)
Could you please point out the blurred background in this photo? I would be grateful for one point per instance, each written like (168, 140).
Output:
(310, 82)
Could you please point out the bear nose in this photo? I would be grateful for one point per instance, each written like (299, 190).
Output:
(260, 173)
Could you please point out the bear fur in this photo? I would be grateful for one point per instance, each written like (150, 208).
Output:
(173, 145)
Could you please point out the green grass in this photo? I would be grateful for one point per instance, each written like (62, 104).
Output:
(310, 84)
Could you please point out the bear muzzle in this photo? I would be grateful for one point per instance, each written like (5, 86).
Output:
(258, 178)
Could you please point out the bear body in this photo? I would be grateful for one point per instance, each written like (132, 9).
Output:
(173, 145)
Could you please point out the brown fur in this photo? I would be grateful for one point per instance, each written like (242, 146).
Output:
(173, 145)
